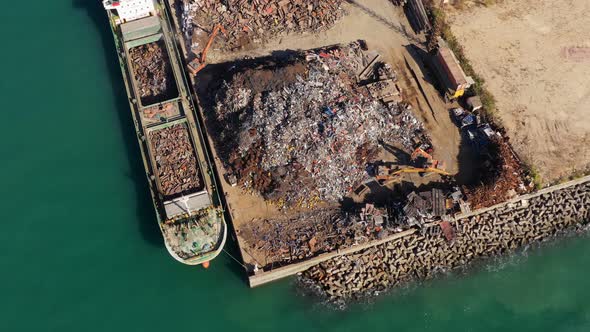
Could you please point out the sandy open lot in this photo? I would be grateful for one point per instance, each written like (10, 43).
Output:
(535, 57)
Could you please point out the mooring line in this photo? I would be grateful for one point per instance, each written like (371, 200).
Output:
(237, 261)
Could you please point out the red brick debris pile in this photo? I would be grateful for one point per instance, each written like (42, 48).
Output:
(175, 160)
(249, 21)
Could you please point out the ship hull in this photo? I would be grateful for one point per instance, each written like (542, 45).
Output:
(157, 202)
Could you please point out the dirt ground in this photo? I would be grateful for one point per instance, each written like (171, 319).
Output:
(387, 31)
(535, 58)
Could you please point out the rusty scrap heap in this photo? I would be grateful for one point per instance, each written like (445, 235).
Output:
(256, 20)
(306, 235)
(175, 160)
(152, 70)
(310, 134)
(504, 177)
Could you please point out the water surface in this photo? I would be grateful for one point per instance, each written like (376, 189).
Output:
(80, 250)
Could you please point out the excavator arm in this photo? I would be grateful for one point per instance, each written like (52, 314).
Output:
(203, 59)
(395, 174)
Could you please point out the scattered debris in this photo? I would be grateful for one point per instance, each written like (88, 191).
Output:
(256, 20)
(308, 234)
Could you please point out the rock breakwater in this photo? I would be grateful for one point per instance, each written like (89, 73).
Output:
(424, 254)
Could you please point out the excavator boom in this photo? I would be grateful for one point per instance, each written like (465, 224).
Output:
(395, 174)
(203, 59)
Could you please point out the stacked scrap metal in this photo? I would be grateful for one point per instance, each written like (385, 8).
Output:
(503, 178)
(421, 208)
(153, 73)
(309, 234)
(416, 12)
(175, 160)
(251, 20)
(298, 135)
(501, 174)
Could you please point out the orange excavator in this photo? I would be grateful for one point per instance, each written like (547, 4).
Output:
(196, 65)
(429, 161)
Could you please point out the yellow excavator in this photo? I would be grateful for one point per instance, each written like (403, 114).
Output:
(429, 166)
(396, 173)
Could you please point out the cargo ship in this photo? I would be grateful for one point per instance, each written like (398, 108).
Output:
(177, 164)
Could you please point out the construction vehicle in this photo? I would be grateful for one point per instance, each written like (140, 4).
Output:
(386, 175)
(428, 160)
(389, 174)
(199, 63)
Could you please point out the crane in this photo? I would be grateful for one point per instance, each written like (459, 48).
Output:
(202, 61)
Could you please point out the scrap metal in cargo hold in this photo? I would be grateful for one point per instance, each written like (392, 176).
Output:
(153, 73)
(175, 160)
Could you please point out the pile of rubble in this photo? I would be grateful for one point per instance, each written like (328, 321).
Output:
(153, 73)
(254, 20)
(175, 160)
(423, 255)
(308, 234)
(420, 208)
(500, 172)
(307, 131)
(502, 177)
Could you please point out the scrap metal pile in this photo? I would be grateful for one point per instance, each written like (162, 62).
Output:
(501, 174)
(307, 131)
(153, 73)
(306, 235)
(420, 208)
(175, 160)
(503, 178)
(255, 20)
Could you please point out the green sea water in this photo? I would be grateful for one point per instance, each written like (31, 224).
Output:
(80, 250)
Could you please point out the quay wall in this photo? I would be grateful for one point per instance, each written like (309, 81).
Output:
(489, 232)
